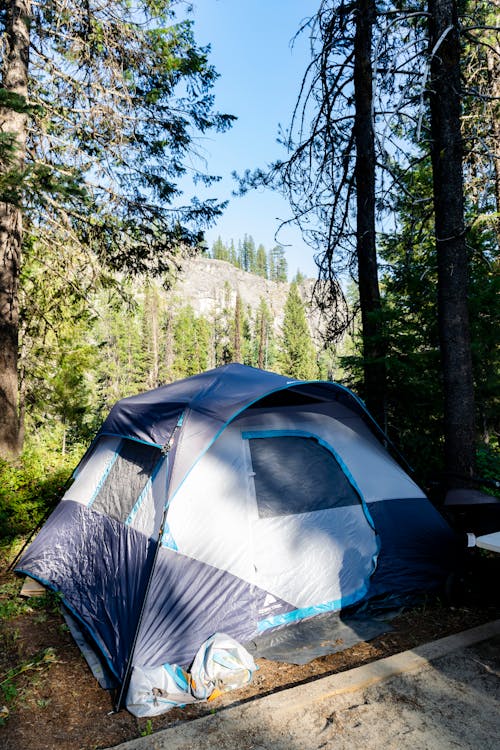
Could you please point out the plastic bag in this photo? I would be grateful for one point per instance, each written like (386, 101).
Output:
(221, 664)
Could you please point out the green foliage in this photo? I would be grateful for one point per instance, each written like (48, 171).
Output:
(248, 254)
(12, 604)
(277, 264)
(191, 343)
(31, 487)
(261, 262)
(297, 355)
(270, 265)
(219, 250)
(148, 729)
(409, 289)
(488, 465)
(118, 144)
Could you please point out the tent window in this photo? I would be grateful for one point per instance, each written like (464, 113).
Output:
(126, 479)
(297, 475)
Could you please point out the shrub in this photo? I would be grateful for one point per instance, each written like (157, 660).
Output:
(30, 488)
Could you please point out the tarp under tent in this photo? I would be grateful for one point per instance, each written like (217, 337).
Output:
(233, 502)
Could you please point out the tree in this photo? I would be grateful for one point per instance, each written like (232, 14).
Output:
(415, 381)
(237, 330)
(264, 337)
(150, 339)
(13, 115)
(248, 254)
(278, 265)
(219, 250)
(100, 104)
(481, 107)
(452, 257)
(191, 343)
(369, 293)
(261, 262)
(297, 355)
(356, 131)
(329, 173)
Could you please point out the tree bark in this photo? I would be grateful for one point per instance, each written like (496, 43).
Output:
(12, 123)
(452, 261)
(369, 292)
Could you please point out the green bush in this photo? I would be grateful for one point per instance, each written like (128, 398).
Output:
(30, 488)
(488, 464)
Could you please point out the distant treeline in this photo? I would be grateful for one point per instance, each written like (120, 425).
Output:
(270, 264)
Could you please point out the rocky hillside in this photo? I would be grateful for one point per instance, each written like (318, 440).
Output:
(210, 285)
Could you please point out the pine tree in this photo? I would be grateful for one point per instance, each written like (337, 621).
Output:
(219, 250)
(248, 254)
(237, 337)
(151, 337)
(99, 107)
(278, 265)
(297, 355)
(264, 337)
(261, 262)
(191, 343)
(233, 255)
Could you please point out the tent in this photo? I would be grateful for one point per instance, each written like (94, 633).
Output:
(237, 501)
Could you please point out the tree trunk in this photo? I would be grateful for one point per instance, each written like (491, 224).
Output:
(369, 292)
(446, 152)
(13, 123)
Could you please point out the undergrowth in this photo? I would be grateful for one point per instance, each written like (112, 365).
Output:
(30, 488)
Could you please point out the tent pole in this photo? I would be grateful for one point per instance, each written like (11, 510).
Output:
(128, 671)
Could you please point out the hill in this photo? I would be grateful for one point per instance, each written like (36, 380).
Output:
(211, 286)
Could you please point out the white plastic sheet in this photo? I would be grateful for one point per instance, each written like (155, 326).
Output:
(221, 664)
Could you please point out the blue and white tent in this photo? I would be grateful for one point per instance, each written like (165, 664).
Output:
(236, 501)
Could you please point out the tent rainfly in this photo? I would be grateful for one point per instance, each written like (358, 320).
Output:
(237, 501)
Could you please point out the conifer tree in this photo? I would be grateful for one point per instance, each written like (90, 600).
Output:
(233, 255)
(248, 254)
(219, 250)
(297, 355)
(261, 262)
(264, 336)
(191, 343)
(278, 265)
(151, 337)
(237, 333)
(99, 107)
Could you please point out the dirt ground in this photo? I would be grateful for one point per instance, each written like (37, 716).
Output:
(52, 700)
(424, 699)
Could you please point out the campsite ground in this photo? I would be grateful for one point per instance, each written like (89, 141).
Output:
(49, 699)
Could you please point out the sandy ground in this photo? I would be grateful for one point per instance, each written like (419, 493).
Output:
(436, 697)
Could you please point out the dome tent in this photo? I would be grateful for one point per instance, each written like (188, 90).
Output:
(236, 501)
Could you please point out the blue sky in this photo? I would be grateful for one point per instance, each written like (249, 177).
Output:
(260, 74)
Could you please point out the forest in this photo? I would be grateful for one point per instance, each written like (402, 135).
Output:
(391, 167)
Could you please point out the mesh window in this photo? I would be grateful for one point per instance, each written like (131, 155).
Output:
(297, 475)
(126, 479)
